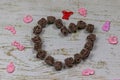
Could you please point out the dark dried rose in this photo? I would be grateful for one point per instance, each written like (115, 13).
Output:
(89, 45)
(58, 65)
(37, 30)
(72, 28)
(64, 31)
(77, 58)
(91, 37)
(58, 23)
(90, 28)
(36, 39)
(42, 22)
(69, 62)
(81, 25)
(49, 60)
(51, 19)
(37, 46)
(41, 54)
(84, 53)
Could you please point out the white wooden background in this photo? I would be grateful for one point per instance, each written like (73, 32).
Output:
(104, 59)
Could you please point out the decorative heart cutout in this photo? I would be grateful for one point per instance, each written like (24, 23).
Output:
(88, 72)
(69, 62)
(10, 67)
(66, 14)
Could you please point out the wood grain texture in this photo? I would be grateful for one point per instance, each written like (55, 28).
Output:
(105, 58)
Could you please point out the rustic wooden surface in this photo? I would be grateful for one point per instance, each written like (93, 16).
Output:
(104, 59)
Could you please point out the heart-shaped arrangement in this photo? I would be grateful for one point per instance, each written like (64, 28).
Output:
(68, 62)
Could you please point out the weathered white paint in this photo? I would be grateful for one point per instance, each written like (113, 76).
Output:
(105, 58)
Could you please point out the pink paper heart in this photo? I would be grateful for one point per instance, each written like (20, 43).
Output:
(88, 72)
(15, 43)
(21, 47)
(82, 12)
(11, 28)
(113, 40)
(10, 68)
(28, 19)
(106, 26)
(18, 45)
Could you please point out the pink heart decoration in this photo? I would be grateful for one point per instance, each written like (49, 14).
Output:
(88, 72)
(106, 26)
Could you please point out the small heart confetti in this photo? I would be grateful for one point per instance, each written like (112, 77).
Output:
(82, 11)
(18, 45)
(10, 68)
(21, 47)
(66, 14)
(113, 40)
(28, 19)
(11, 28)
(88, 72)
(106, 26)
